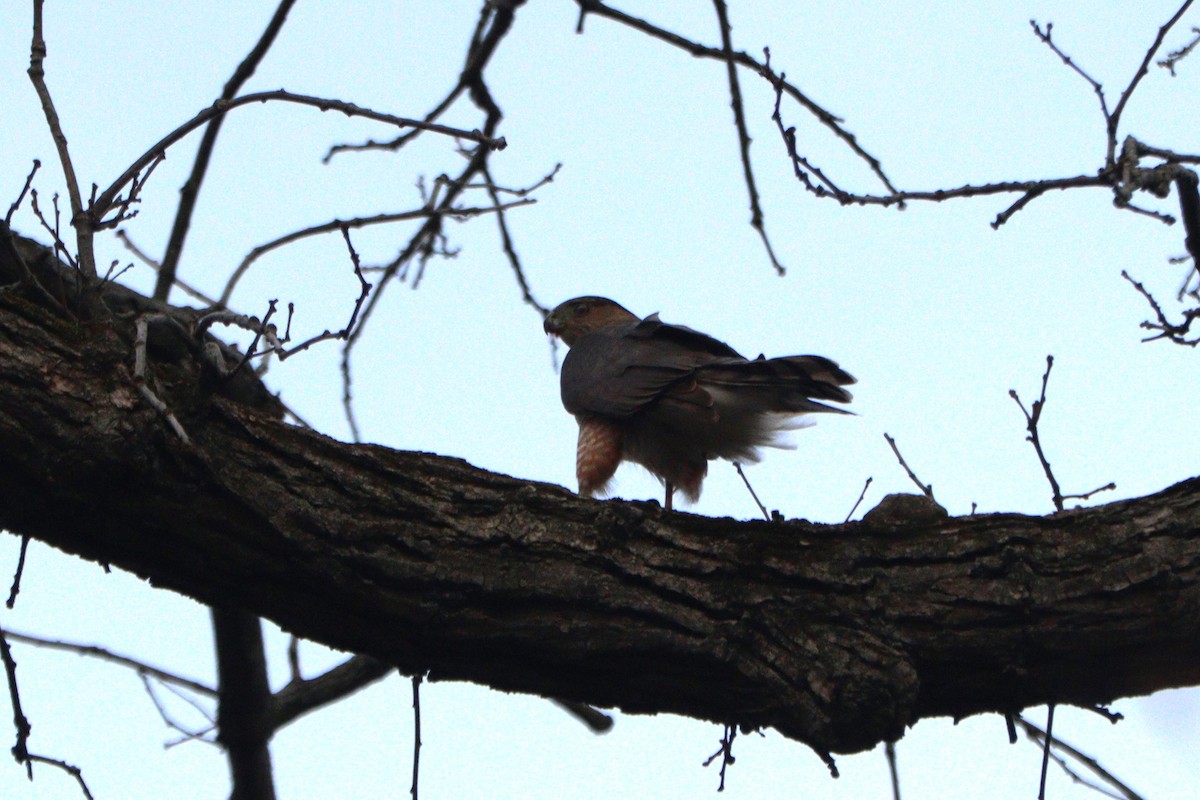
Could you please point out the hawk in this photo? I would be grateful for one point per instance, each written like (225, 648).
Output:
(671, 398)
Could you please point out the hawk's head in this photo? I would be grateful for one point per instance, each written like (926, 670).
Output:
(581, 316)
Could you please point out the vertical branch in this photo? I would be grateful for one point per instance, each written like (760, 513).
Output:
(416, 770)
(889, 750)
(15, 589)
(739, 119)
(244, 721)
(1046, 748)
(191, 188)
(79, 218)
(20, 750)
(1031, 425)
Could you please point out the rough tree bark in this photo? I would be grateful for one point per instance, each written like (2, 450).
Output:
(838, 636)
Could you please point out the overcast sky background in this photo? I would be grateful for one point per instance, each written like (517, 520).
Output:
(935, 313)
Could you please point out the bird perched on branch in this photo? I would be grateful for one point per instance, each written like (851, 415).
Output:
(671, 398)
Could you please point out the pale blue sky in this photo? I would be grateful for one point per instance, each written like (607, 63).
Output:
(936, 314)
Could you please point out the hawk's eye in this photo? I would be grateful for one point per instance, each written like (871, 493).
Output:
(580, 308)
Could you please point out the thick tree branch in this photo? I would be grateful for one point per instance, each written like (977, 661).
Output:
(836, 635)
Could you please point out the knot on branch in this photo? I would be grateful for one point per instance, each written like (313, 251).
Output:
(851, 690)
(898, 510)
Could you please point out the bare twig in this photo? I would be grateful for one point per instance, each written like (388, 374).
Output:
(1045, 36)
(524, 191)
(1176, 333)
(858, 502)
(60, 246)
(24, 190)
(926, 489)
(93, 651)
(725, 752)
(293, 657)
(1177, 55)
(15, 589)
(264, 330)
(72, 770)
(185, 735)
(1108, 487)
(1112, 716)
(139, 378)
(750, 489)
(121, 203)
(1031, 425)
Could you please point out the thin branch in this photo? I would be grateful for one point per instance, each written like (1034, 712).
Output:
(1143, 68)
(1108, 487)
(79, 218)
(300, 696)
(1176, 333)
(1039, 736)
(506, 239)
(357, 222)
(20, 750)
(105, 201)
(185, 734)
(858, 502)
(1045, 36)
(739, 120)
(93, 651)
(15, 589)
(191, 187)
(750, 489)
(926, 489)
(830, 121)
(1031, 425)
(293, 658)
(1024, 200)
(416, 704)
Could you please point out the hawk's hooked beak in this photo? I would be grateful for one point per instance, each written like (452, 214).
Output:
(552, 326)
